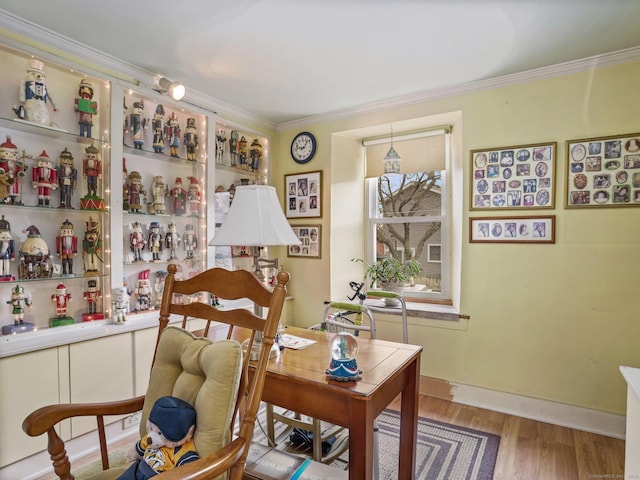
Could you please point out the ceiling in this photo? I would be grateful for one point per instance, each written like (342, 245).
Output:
(286, 60)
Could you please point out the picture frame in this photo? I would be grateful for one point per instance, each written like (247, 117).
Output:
(303, 195)
(513, 178)
(541, 229)
(603, 172)
(311, 241)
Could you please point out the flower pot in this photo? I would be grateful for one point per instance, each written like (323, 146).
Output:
(395, 287)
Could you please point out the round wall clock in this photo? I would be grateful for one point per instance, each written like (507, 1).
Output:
(303, 147)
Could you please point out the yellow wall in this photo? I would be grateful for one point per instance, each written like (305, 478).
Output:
(548, 321)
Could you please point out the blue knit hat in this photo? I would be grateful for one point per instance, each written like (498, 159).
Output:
(173, 416)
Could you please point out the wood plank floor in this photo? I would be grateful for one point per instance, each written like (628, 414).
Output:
(529, 450)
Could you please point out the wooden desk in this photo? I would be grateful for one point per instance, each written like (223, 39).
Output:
(296, 380)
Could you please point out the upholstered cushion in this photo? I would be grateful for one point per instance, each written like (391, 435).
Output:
(206, 374)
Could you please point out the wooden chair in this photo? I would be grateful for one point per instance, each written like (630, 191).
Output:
(215, 377)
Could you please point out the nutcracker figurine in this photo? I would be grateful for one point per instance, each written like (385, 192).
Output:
(154, 241)
(233, 147)
(35, 261)
(138, 124)
(242, 152)
(7, 251)
(159, 287)
(67, 177)
(157, 125)
(92, 171)
(92, 295)
(194, 196)
(34, 95)
(67, 246)
(143, 292)
(159, 191)
(134, 192)
(7, 180)
(61, 298)
(14, 168)
(172, 241)
(191, 139)
(92, 246)
(220, 141)
(137, 241)
(179, 197)
(120, 304)
(190, 241)
(45, 178)
(18, 301)
(256, 154)
(173, 133)
(86, 108)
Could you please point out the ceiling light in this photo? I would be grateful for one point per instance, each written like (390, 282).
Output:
(175, 89)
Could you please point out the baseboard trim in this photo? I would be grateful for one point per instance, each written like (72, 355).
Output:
(579, 418)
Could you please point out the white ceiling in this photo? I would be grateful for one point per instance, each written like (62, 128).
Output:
(285, 60)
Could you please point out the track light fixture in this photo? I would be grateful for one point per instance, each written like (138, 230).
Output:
(175, 89)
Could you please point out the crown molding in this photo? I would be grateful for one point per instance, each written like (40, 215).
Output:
(614, 58)
(24, 35)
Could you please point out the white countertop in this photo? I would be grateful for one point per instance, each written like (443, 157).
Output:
(632, 376)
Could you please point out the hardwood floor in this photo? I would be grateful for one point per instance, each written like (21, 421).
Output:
(530, 450)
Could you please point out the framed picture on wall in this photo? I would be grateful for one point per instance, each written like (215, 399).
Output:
(512, 229)
(511, 178)
(603, 172)
(310, 241)
(304, 195)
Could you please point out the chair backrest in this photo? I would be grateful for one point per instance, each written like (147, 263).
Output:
(345, 316)
(196, 355)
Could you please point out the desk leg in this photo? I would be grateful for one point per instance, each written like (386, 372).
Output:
(360, 441)
(409, 423)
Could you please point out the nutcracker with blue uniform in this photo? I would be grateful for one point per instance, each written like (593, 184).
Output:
(138, 124)
(67, 178)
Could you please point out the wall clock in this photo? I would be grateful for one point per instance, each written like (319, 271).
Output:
(303, 147)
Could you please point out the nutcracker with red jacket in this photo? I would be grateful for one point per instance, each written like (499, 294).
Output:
(14, 169)
(35, 260)
(179, 198)
(173, 133)
(61, 298)
(191, 139)
(7, 251)
(143, 292)
(92, 295)
(92, 171)
(137, 241)
(45, 178)
(194, 196)
(86, 108)
(67, 246)
(92, 246)
(67, 178)
(190, 241)
(154, 241)
(34, 95)
(18, 301)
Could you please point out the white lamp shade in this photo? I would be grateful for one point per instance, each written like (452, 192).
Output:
(255, 219)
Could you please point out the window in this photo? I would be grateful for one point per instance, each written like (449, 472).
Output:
(409, 213)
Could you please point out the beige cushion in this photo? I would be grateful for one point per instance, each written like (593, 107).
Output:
(204, 373)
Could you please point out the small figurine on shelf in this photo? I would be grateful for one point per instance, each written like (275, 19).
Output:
(179, 198)
(173, 134)
(159, 191)
(135, 192)
(92, 295)
(154, 241)
(195, 196)
(137, 241)
(14, 168)
(191, 139)
(67, 246)
(125, 194)
(159, 287)
(157, 125)
(256, 154)
(92, 171)
(138, 124)
(7, 180)
(7, 251)
(243, 153)
(172, 241)
(19, 300)
(45, 178)
(34, 95)
(143, 292)
(86, 107)
(92, 246)
(233, 147)
(35, 260)
(67, 178)
(220, 141)
(120, 304)
(190, 241)
(61, 298)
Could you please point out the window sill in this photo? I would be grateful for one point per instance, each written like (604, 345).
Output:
(420, 310)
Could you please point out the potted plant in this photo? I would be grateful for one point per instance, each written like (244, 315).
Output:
(388, 273)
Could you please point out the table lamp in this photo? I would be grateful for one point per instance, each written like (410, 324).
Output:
(256, 220)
